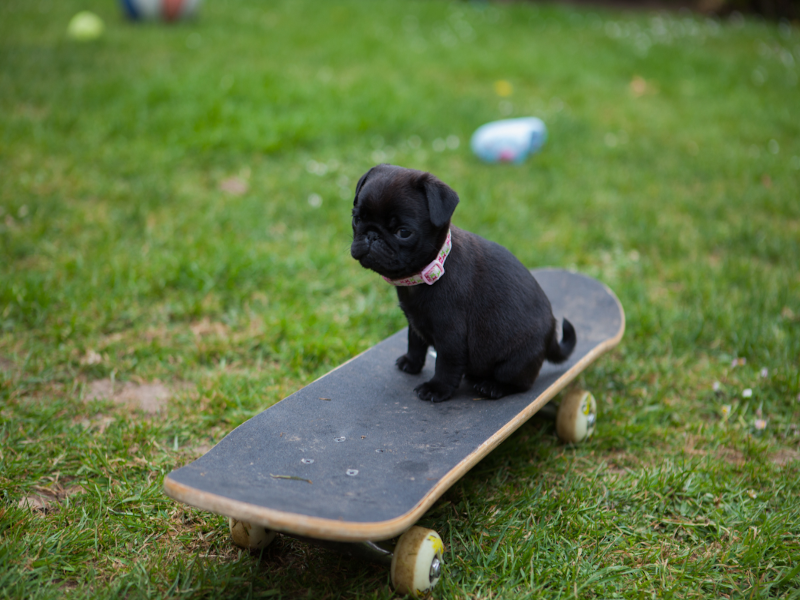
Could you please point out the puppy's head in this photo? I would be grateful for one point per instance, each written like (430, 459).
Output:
(400, 220)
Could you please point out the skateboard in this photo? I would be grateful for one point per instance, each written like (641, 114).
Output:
(354, 459)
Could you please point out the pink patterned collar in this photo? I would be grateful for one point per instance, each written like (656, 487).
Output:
(430, 274)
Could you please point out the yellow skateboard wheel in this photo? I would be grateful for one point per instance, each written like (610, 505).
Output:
(250, 537)
(576, 416)
(417, 562)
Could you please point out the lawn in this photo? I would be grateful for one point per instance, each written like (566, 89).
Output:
(174, 258)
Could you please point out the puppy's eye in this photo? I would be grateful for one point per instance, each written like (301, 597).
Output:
(356, 219)
(403, 233)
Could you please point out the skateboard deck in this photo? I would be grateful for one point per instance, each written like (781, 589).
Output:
(356, 456)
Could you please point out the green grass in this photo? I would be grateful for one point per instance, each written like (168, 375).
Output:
(121, 258)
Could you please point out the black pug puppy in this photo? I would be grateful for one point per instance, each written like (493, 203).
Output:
(469, 298)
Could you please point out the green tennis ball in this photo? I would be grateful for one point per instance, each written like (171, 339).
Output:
(85, 26)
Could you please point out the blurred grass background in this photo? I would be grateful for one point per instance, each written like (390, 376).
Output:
(174, 213)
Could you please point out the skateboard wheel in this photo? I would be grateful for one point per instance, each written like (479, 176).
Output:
(576, 416)
(251, 537)
(417, 562)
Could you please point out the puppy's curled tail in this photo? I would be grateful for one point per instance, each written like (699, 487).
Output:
(558, 353)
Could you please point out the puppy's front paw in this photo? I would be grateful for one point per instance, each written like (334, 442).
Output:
(434, 391)
(407, 364)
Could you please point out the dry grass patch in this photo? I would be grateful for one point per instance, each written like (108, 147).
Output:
(784, 456)
(621, 462)
(47, 499)
(149, 397)
(99, 423)
(780, 457)
(7, 365)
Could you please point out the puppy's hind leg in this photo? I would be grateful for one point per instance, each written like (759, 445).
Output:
(510, 377)
(413, 360)
(492, 389)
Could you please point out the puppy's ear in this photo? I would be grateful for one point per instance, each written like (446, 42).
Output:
(360, 184)
(442, 200)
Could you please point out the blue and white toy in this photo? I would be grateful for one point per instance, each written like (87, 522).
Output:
(168, 10)
(509, 140)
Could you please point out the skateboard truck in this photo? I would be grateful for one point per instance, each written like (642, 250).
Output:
(416, 559)
(371, 551)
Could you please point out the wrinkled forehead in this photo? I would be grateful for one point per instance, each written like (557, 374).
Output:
(391, 195)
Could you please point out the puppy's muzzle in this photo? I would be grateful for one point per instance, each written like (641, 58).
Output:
(362, 245)
(359, 250)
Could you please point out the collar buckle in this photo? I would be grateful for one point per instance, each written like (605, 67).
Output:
(430, 274)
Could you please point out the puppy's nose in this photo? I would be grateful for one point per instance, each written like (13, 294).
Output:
(372, 236)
